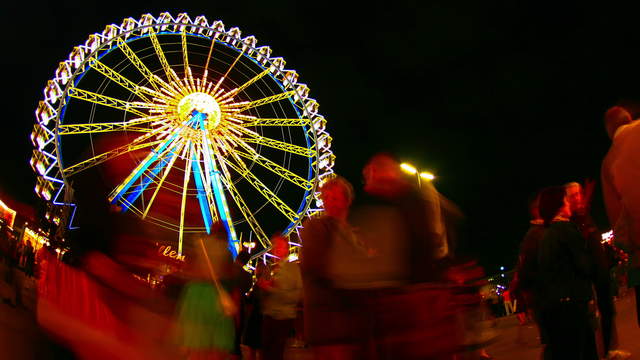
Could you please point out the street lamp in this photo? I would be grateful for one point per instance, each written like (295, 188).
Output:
(421, 175)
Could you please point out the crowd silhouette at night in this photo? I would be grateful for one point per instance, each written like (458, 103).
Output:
(377, 277)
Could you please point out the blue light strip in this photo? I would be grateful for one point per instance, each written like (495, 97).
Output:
(135, 194)
(221, 204)
(144, 167)
(202, 195)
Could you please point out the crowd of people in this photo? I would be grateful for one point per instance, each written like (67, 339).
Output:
(565, 272)
(378, 276)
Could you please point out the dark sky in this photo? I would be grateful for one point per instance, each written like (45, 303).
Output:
(499, 99)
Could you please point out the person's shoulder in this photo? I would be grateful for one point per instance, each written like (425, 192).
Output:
(566, 229)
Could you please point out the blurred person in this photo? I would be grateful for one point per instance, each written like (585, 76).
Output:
(333, 326)
(620, 173)
(91, 304)
(19, 254)
(281, 294)
(405, 289)
(564, 281)
(29, 259)
(205, 313)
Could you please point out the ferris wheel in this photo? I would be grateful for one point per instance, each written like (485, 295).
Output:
(210, 128)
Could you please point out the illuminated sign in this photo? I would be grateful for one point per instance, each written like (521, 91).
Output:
(168, 252)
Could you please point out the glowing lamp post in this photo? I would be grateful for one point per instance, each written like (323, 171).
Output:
(421, 175)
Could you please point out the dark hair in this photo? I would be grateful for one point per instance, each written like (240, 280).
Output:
(550, 202)
(616, 117)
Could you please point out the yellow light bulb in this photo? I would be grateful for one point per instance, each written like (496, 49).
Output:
(408, 168)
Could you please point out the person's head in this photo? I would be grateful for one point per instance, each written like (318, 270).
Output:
(616, 117)
(553, 202)
(383, 175)
(574, 196)
(279, 246)
(336, 195)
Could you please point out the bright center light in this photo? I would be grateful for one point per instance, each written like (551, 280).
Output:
(202, 103)
(408, 168)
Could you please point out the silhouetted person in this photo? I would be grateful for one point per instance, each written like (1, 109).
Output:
(579, 201)
(564, 281)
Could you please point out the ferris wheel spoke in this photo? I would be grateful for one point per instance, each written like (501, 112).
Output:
(153, 80)
(276, 122)
(251, 137)
(147, 178)
(94, 128)
(203, 194)
(140, 91)
(183, 203)
(242, 206)
(164, 146)
(171, 74)
(99, 159)
(185, 59)
(110, 102)
(206, 65)
(228, 70)
(241, 168)
(211, 182)
(185, 51)
(166, 172)
(260, 102)
(212, 178)
(284, 173)
(246, 84)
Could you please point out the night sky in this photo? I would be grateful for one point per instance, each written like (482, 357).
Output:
(498, 99)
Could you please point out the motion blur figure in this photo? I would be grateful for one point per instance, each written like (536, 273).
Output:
(412, 310)
(281, 295)
(205, 314)
(95, 306)
(334, 325)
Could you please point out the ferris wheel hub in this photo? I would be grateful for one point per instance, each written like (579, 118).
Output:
(200, 103)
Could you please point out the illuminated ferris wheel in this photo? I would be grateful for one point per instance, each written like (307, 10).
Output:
(210, 129)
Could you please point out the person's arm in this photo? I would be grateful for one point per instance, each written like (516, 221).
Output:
(611, 197)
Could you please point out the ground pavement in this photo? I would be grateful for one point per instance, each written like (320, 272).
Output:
(21, 338)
